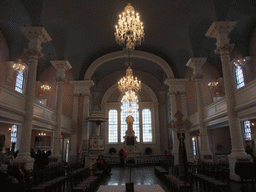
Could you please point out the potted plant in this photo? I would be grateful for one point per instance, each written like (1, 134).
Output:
(148, 151)
(112, 151)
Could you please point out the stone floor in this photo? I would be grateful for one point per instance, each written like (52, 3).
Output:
(139, 176)
(146, 176)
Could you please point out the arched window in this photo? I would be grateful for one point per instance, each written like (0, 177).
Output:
(142, 125)
(136, 123)
(112, 126)
(239, 77)
(146, 125)
(19, 82)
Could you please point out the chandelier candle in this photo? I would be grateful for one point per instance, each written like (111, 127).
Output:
(129, 31)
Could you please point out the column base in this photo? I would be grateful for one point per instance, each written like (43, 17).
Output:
(237, 157)
(27, 161)
(206, 156)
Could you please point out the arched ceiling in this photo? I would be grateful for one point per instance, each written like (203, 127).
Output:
(83, 31)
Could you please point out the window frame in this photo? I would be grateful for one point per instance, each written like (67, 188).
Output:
(239, 77)
(142, 105)
(20, 88)
(116, 140)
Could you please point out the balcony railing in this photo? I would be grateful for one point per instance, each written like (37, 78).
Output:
(12, 108)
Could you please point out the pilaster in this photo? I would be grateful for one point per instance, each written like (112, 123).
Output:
(61, 66)
(175, 86)
(36, 36)
(163, 125)
(196, 65)
(220, 30)
(83, 87)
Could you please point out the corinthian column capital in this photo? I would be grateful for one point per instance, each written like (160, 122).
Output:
(224, 49)
(36, 36)
(82, 86)
(61, 66)
(176, 85)
(196, 65)
(220, 30)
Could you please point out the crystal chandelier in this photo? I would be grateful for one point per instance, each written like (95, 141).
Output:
(129, 31)
(212, 84)
(240, 62)
(18, 66)
(46, 87)
(129, 82)
(130, 97)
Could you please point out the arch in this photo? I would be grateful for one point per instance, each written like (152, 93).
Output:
(135, 54)
(113, 88)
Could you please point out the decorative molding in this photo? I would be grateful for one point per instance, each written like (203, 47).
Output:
(61, 66)
(134, 54)
(82, 86)
(196, 65)
(36, 33)
(176, 85)
(220, 27)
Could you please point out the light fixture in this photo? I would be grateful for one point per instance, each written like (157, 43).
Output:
(18, 65)
(130, 96)
(129, 31)
(239, 62)
(213, 84)
(46, 87)
(42, 134)
(129, 82)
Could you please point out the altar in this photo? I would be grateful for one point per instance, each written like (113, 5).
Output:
(130, 140)
(137, 188)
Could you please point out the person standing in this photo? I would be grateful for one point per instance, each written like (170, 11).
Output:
(121, 155)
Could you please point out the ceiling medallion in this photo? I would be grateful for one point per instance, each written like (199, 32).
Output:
(18, 66)
(129, 31)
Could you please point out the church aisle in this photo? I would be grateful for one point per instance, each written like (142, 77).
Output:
(139, 175)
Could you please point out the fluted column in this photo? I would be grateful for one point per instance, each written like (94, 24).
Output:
(196, 65)
(36, 36)
(220, 30)
(175, 86)
(61, 66)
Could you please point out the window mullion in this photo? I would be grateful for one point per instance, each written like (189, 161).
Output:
(140, 123)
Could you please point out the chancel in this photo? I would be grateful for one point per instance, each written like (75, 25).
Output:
(172, 83)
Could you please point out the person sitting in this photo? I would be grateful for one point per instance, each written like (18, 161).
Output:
(101, 163)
